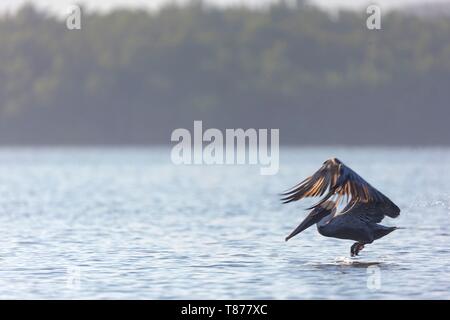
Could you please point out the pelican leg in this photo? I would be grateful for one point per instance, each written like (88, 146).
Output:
(352, 249)
(356, 248)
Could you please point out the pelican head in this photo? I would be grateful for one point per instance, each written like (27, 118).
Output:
(317, 214)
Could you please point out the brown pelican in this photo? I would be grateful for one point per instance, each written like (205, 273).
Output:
(358, 221)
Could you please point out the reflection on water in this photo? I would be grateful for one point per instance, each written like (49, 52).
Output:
(128, 224)
(348, 262)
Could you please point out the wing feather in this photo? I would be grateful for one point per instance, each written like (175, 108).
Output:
(335, 178)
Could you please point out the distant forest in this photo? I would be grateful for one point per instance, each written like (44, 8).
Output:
(131, 77)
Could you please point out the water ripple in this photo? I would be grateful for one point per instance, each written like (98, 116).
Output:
(127, 224)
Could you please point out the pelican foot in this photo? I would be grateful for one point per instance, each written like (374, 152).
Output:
(356, 248)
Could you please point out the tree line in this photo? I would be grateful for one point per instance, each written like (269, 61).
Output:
(133, 76)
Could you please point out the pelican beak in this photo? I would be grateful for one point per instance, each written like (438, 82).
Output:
(312, 218)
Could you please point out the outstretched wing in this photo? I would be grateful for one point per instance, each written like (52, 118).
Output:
(336, 179)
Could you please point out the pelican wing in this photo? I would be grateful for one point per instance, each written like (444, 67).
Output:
(372, 212)
(336, 179)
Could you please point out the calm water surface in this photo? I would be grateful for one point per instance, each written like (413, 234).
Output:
(126, 223)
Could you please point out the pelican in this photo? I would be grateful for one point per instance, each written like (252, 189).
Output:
(359, 220)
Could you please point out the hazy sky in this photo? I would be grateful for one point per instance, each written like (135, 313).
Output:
(62, 5)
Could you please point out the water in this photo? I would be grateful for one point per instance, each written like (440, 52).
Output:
(126, 223)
